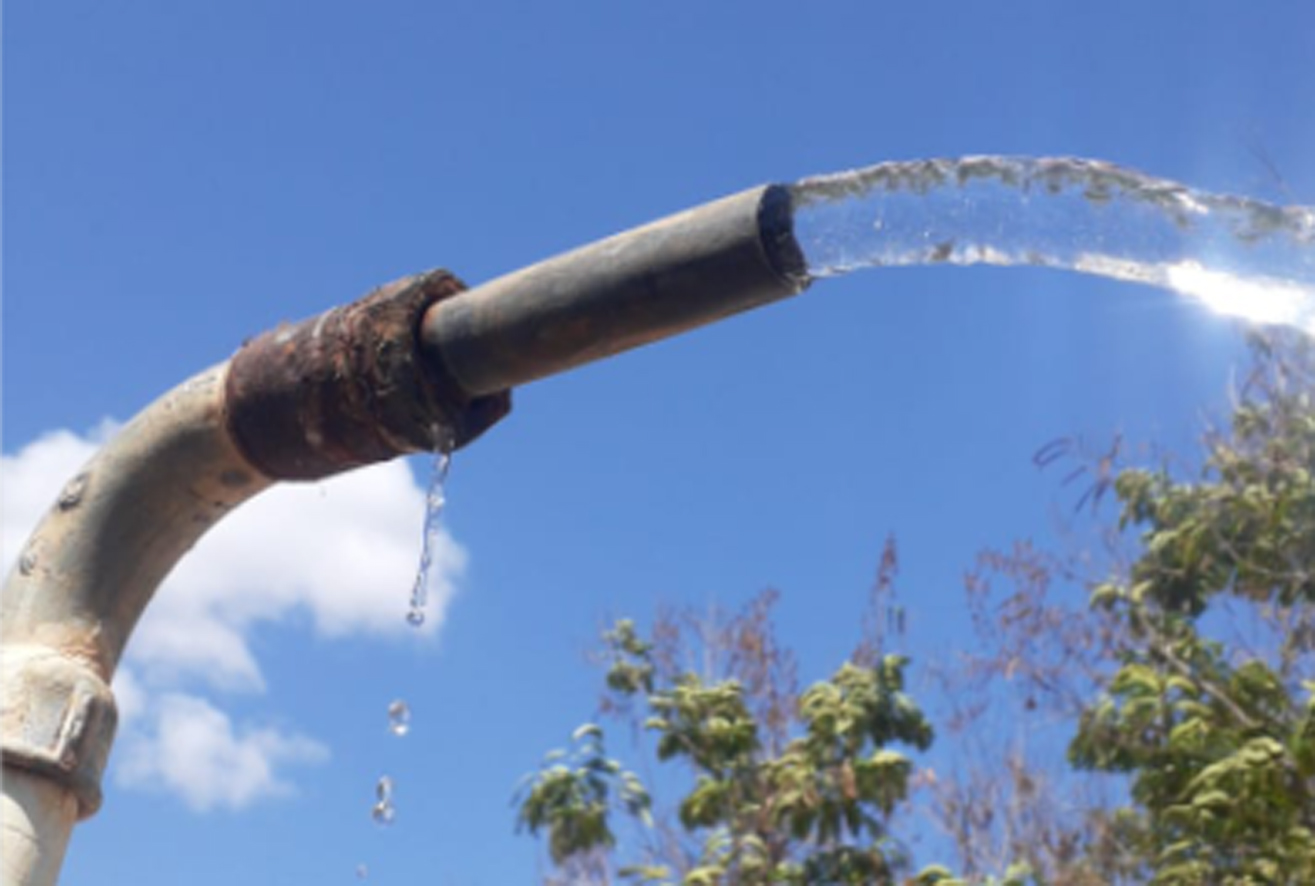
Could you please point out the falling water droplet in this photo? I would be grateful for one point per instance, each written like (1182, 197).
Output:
(399, 718)
(362, 872)
(435, 499)
(383, 814)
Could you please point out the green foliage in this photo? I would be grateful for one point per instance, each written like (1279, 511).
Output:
(839, 777)
(572, 796)
(708, 724)
(1217, 737)
(807, 807)
(1190, 678)
(631, 671)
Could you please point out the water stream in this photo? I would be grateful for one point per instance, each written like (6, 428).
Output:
(435, 499)
(383, 811)
(1240, 256)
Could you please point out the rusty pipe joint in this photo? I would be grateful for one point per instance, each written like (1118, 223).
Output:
(351, 387)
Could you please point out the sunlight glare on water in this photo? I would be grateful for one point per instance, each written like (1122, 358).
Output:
(1239, 256)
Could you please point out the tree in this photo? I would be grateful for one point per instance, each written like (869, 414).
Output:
(1216, 729)
(785, 787)
(1183, 680)
(1174, 661)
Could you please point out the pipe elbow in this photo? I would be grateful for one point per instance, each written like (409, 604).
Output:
(92, 565)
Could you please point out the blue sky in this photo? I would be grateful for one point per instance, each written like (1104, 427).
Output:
(181, 176)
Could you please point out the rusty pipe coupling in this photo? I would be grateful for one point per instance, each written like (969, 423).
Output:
(352, 387)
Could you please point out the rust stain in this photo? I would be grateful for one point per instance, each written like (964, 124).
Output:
(351, 387)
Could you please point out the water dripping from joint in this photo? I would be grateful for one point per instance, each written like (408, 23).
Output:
(435, 500)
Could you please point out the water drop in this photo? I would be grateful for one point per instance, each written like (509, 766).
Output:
(399, 718)
(362, 872)
(383, 814)
(384, 789)
(415, 617)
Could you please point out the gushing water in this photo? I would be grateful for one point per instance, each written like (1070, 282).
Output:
(435, 499)
(1240, 256)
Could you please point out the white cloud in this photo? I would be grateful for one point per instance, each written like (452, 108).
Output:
(340, 554)
(190, 748)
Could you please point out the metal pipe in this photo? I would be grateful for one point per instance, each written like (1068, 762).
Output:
(416, 365)
(37, 816)
(649, 283)
(79, 586)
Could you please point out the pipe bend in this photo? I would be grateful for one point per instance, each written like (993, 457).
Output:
(92, 565)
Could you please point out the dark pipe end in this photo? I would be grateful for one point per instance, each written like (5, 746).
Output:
(351, 387)
(776, 230)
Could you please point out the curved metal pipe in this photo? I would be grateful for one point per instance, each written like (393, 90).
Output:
(78, 589)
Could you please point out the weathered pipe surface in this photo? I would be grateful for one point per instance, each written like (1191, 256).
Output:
(675, 274)
(89, 569)
(351, 387)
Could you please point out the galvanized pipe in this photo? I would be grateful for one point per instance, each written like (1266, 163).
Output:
(649, 283)
(71, 601)
(36, 820)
